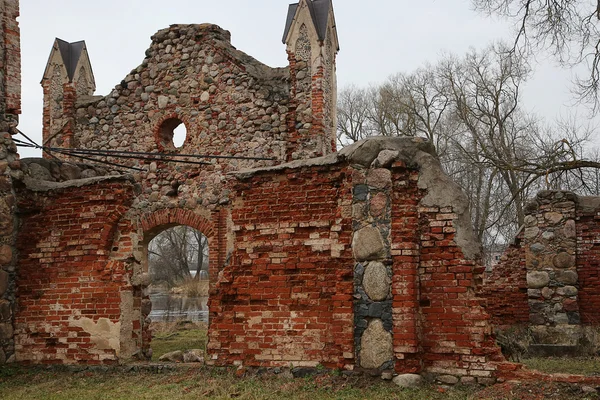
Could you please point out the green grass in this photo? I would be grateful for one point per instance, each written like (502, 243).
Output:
(178, 340)
(202, 383)
(574, 365)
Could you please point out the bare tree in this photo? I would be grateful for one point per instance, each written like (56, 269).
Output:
(567, 28)
(470, 108)
(175, 252)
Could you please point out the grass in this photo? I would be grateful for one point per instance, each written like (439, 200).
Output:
(203, 383)
(176, 336)
(572, 365)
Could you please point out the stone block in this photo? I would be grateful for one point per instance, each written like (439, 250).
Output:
(5, 311)
(6, 331)
(367, 244)
(5, 254)
(376, 281)
(376, 346)
(567, 277)
(537, 279)
(3, 282)
(563, 260)
(447, 379)
(408, 380)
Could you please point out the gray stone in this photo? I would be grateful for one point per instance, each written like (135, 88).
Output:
(376, 281)
(408, 380)
(6, 331)
(567, 291)
(205, 96)
(548, 235)
(569, 229)
(360, 192)
(588, 389)
(537, 279)
(163, 101)
(5, 312)
(530, 221)
(563, 260)
(553, 217)
(3, 282)
(385, 158)
(173, 356)
(567, 277)
(387, 376)
(531, 233)
(36, 171)
(367, 244)
(193, 356)
(69, 172)
(376, 346)
(447, 379)
(537, 247)
(561, 318)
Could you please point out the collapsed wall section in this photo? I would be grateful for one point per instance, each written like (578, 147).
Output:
(548, 279)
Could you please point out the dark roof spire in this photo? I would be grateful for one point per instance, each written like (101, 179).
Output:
(70, 53)
(319, 11)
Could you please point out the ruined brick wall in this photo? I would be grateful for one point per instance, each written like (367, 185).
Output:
(549, 277)
(75, 296)
(10, 108)
(286, 297)
(505, 288)
(588, 259)
(353, 260)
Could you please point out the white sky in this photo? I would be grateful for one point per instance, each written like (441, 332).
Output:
(377, 38)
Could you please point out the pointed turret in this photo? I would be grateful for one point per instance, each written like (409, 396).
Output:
(68, 77)
(311, 41)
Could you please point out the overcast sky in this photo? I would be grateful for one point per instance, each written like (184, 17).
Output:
(377, 38)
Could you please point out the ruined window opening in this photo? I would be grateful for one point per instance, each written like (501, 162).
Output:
(177, 262)
(172, 133)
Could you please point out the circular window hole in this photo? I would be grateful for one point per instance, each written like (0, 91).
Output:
(172, 133)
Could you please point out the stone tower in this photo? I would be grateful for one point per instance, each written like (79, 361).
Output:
(68, 77)
(312, 44)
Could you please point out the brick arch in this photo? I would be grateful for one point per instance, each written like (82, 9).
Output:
(156, 221)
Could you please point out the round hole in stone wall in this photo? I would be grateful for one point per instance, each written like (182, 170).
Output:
(172, 133)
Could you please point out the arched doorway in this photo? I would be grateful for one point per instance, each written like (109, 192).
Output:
(178, 261)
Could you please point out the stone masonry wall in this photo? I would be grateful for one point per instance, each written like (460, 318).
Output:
(556, 260)
(10, 108)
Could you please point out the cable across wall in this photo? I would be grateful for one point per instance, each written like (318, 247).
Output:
(90, 154)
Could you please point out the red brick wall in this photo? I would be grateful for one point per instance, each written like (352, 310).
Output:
(456, 333)
(588, 267)
(405, 282)
(286, 298)
(505, 288)
(65, 272)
